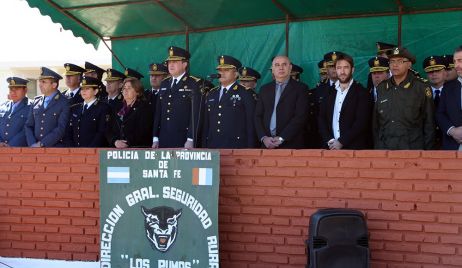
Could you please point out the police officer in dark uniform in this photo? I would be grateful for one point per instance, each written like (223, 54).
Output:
(129, 72)
(229, 110)
(89, 119)
(248, 78)
(114, 98)
(177, 108)
(435, 68)
(49, 115)
(322, 67)
(73, 77)
(94, 71)
(379, 71)
(157, 73)
(403, 116)
(296, 72)
(451, 73)
(13, 114)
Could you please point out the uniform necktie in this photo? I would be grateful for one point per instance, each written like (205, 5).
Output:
(174, 82)
(273, 116)
(12, 108)
(72, 94)
(85, 108)
(46, 102)
(222, 91)
(437, 96)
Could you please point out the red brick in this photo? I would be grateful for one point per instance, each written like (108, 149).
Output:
(9, 168)
(46, 212)
(307, 153)
(445, 175)
(428, 164)
(294, 260)
(373, 174)
(73, 247)
(280, 172)
(387, 256)
(409, 175)
(251, 172)
(300, 241)
(10, 219)
(11, 185)
(387, 164)
(421, 237)
(253, 210)
(262, 162)
(437, 249)
(330, 184)
(71, 230)
(78, 169)
(412, 197)
(237, 181)
(371, 154)
(397, 206)
(281, 192)
(432, 187)
(279, 152)
(235, 228)
(23, 228)
(377, 195)
(311, 193)
(21, 177)
(309, 172)
(57, 203)
(390, 185)
(439, 154)
(362, 184)
(402, 247)
(85, 256)
(259, 248)
(382, 215)
(22, 211)
(449, 198)
(33, 220)
(431, 207)
(241, 238)
(227, 171)
(247, 152)
(60, 238)
(451, 164)
(290, 250)
(421, 258)
(36, 254)
(248, 256)
(386, 236)
(245, 219)
(249, 191)
(404, 154)
(59, 255)
(22, 245)
(418, 217)
(24, 159)
(323, 163)
(297, 202)
(342, 173)
(33, 237)
(340, 153)
(363, 204)
(274, 240)
(73, 159)
(403, 226)
(377, 225)
(267, 201)
(330, 203)
(452, 260)
(273, 181)
(291, 163)
(441, 228)
(279, 230)
(57, 186)
(58, 220)
(286, 212)
(273, 258)
(229, 246)
(46, 229)
(256, 229)
(355, 164)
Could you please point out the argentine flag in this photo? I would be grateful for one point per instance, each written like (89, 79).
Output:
(118, 175)
(202, 176)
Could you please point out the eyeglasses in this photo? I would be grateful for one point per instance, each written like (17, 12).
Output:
(400, 61)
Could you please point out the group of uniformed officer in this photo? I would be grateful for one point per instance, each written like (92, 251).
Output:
(184, 111)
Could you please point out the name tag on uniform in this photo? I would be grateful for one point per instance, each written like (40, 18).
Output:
(384, 101)
(164, 88)
(211, 100)
(74, 115)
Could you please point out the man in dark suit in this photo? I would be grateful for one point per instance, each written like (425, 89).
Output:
(13, 114)
(73, 76)
(344, 116)
(282, 106)
(49, 115)
(178, 102)
(229, 110)
(157, 73)
(449, 112)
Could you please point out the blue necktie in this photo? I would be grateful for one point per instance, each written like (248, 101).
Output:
(273, 116)
(46, 102)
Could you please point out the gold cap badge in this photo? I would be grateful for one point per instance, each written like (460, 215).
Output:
(222, 60)
(432, 61)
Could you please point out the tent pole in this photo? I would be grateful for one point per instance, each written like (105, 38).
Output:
(400, 20)
(287, 35)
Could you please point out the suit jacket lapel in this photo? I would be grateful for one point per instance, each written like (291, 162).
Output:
(286, 90)
(348, 98)
(330, 102)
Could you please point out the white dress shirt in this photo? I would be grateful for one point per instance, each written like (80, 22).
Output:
(339, 99)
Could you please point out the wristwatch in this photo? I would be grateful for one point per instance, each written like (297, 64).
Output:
(281, 139)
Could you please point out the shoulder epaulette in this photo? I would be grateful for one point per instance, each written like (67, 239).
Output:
(197, 79)
(75, 104)
(166, 78)
(214, 88)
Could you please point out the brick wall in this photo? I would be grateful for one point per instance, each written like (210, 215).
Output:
(412, 200)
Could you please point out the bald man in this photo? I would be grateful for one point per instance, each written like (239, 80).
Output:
(282, 108)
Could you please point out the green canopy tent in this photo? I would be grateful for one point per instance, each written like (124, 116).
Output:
(254, 31)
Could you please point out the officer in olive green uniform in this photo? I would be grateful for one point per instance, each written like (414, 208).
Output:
(403, 116)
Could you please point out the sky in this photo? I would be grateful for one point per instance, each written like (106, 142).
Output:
(28, 38)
